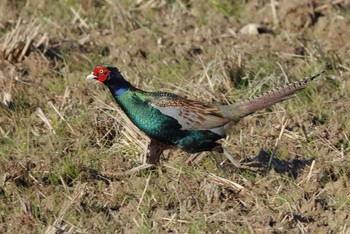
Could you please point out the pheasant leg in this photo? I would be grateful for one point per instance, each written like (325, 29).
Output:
(155, 150)
(221, 149)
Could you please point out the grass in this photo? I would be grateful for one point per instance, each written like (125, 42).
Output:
(228, 8)
(64, 143)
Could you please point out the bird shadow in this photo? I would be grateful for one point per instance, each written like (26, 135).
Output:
(264, 162)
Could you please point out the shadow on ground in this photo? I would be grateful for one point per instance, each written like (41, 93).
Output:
(265, 161)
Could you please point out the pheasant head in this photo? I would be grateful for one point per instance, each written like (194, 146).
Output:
(111, 77)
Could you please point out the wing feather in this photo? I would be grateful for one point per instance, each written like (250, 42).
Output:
(191, 115)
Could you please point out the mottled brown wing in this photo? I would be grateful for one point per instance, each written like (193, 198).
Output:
(191, 115)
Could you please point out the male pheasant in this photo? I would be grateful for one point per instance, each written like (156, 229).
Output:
(193, 126)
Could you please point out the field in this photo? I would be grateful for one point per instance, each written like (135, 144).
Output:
(65, 144)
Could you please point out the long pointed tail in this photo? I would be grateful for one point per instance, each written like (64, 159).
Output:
(237, 111)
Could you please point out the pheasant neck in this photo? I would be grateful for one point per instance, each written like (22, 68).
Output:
(119, 87)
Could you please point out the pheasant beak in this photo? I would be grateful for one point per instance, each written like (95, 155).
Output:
(91, 77)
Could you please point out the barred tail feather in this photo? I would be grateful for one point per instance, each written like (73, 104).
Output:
(237, 111)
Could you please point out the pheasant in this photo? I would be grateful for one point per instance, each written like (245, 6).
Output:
(171, 120)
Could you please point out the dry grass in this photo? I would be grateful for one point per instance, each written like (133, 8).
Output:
(66, 148)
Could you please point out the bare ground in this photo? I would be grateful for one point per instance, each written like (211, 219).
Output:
(64, 144)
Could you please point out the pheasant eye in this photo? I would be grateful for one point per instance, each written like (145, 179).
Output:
(101, 71)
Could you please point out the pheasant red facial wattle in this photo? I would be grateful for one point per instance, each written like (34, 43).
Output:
(101, 72)
(169, 119)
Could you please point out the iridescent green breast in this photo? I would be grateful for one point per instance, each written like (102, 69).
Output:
(147, 118)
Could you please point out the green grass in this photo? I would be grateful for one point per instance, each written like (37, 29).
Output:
(229, 8)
